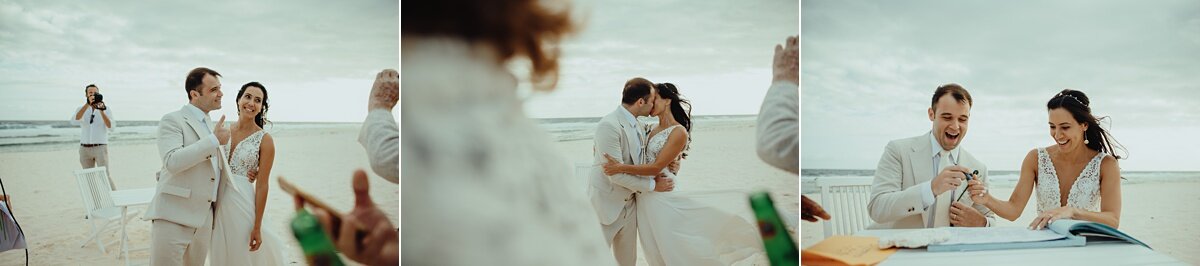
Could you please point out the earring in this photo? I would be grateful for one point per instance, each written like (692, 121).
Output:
(1085, 141)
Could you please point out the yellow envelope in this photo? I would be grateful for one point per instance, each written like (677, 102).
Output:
(845, 250)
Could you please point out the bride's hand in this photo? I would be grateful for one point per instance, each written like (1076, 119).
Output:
(978, 192)
(255, 239)
(1046, 218)
(612, 167)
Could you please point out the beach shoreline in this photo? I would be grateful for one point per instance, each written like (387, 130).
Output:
(47, 201)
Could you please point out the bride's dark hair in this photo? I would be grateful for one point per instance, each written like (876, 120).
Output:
(1078, 104)
(681, 109)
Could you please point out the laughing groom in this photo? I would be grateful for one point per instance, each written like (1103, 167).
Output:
(919, 180)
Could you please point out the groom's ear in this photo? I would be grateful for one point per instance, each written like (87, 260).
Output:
(930, 113)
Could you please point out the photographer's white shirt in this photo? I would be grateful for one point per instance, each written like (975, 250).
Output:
(93, 131)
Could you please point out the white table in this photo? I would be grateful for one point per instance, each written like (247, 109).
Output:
(1101, 253)
(124, 199)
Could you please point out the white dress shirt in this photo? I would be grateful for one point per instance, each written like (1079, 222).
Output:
(633, 121)
(93, 131)
(927, 196)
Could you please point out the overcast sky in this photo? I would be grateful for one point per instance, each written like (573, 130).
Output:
(718, 53)
(869, 68)
(317, 59)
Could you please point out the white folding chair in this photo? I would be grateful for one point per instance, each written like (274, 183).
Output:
(98, 205)
(845, 199)
(582, 177)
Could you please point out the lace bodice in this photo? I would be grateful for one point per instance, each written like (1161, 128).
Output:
(1084, 194)
(657, 142)
(244, 157)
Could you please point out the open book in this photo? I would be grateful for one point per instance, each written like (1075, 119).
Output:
(1061, 233)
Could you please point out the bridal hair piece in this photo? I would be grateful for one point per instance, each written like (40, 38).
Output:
(1064, 96)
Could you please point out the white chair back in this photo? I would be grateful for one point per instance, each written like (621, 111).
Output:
(845, 199)
(94, 188)
(582, 178)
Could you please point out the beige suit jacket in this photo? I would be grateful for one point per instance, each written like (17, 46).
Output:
(193, 168)
(896, 200)
(616, 136)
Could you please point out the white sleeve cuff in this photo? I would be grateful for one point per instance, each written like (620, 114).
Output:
(926, 193)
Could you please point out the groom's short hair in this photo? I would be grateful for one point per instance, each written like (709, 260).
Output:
(636, 89)
(957, 91)
(195, 78)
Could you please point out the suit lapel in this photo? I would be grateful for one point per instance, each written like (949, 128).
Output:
(921, 162)
(197, 126)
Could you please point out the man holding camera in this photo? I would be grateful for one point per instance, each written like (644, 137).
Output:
(94, 120)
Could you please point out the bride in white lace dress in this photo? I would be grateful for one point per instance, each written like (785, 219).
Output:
(1077, 178)
(687, 227)
(238, 235)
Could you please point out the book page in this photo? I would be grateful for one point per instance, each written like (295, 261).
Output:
(992, 235)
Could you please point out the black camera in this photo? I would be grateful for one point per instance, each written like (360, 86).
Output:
(97, 98)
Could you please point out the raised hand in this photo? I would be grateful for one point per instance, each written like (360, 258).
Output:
(385, 93)
(221, 131)
(786, 66)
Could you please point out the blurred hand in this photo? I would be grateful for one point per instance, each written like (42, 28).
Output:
(385, 93)
(962, 215)
(380, 246)
(99, 106)
(221, 131)
(787, 61)
(810, 210)
(663, 184)
(949, 179)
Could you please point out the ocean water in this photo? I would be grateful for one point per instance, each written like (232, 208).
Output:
(55, 135)
(999, 178)
(584, 128)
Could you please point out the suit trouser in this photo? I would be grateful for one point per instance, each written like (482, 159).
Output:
(177, 244)
(96, 156)
(622, 235)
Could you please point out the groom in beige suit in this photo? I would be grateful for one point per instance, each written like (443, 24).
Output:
(621, 135)
(919, 180)
(194, 172)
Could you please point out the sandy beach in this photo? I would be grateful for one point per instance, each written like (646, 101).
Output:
(47, 201)
(1160, 214)
(721, 157)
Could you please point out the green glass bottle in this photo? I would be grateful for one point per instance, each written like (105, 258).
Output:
(318, 248)
(781, 250)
